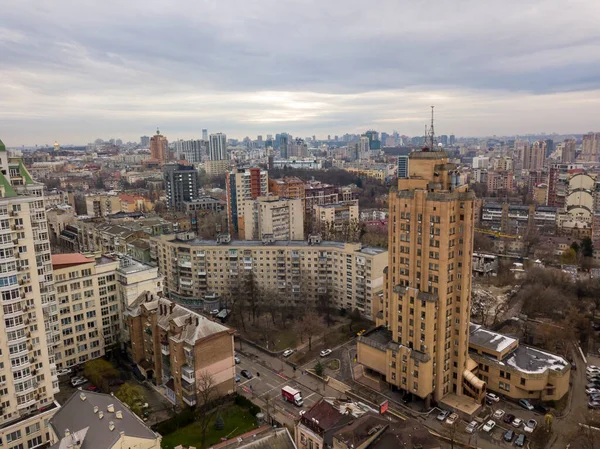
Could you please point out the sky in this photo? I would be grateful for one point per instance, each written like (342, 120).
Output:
(74, 71)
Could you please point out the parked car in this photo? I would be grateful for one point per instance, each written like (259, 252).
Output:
(525, 404)
(325, 352)
(214, 312)
(288, 352)
(592, 390)
(520, 441)
(237, 360)
(509, 435)
(542, 408)
(452, 418)
(499, 413)
(594, 405)
(442, 415)
(237, 378)
(471, 427)
(492, 397)
(247, 374)
(517, 422)
(508, 419)
(92, 388)
(76, 381)
(359, 333)
(488, 426)
(64, 371)
(574, 366)
(530, 426)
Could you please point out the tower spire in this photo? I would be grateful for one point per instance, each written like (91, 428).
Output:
(431, 133)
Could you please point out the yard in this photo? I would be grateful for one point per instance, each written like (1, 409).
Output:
(237, 420)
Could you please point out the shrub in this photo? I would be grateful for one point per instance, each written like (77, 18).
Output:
(219, 423)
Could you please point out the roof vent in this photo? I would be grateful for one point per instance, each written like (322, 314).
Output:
(67, 432)
(82, 396)
(96, 409)
(119, 414)
(100, 414)
(111, 426)
(110, 408)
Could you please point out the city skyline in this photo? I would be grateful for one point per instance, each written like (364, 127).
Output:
(76, 71)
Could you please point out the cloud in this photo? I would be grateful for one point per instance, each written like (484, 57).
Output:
(74, 71)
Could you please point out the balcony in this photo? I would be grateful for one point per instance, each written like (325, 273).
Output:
(187, 374)
(26, 404)
(189, 399)
(164, 348)
(185, 263)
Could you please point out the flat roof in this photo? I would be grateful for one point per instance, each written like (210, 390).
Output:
(69, 259)
(535, 361)
(490, 340)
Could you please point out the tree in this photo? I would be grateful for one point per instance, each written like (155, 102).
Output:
(569, 256)
(354, 318)
(319, 369)
(219, 423)
(207, 393)
(99, 371)
(324, 305)
(575, 247)
(587, 247)
(452, 433)
(133, 396)
(308, 326)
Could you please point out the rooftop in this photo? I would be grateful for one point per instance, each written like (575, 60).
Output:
(535, 361)
(80, 417)
(490, 340)
(68, 260)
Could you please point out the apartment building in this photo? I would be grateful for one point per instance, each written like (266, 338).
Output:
(517, 371)
(517, 218)
(204, 203)
(243, 184)
(500, 182)
(179, 349)
(422, 345)
(299, 271)
(92, 294)
(280, 218)
(30, 330)
(102, 204)
(336, 216)
(181, 184)
(287, 187)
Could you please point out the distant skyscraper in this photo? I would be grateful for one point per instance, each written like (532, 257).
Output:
(534, 155)
(452, 139)
(283, 145)
(374, 142)
(243, 184)
(217, 147)
(444, 139)
(159, 147)
(549, 147)
(403, 166)
(568, 152)
(205, 134)
(190, 150)
(145, 141)
(181, 184)
(590, 148)
(119, 142)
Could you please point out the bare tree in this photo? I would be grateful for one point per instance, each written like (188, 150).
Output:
(452, 433)
(309, 326)
(206, 393)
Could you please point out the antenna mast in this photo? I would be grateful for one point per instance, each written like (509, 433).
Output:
(431, 132)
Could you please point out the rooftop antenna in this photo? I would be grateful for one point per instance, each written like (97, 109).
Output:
(431, 132)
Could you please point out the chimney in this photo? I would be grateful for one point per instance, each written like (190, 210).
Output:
(82, 396)
(96, 409)
(67, 432)
(110, 408)
(100, 414)
(111, 426)
(119, 414)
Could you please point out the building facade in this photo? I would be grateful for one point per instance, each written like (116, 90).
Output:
(179, 349)
(243, 184)
(279, 218)
(159, 147)
(181, 184)
(217, 147)
(422, 344)
(336, 216)
(193, 268)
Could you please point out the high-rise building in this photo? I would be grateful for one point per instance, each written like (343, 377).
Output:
(273, 217)
(287, 187)
(145, 141)
(243, 184)
(568, 151)
(549, 147)
(364, 148)
(190, 150)
(29, 313)
(181, 184)
(217, 147)
(159, 147)
(590, 147)
(205, 134)
(452, 139)
(283, 146)
(444, 140)
(403, 166)
(534, 155)
(422, 346)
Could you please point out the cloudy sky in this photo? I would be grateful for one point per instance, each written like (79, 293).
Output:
(74, 71)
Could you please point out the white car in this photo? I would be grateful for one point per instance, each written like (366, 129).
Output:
(530, 426)
(64, 371)
(517, 422)
(492, 397)
(488, 426)
(452, 418)
(325, 352)
(499, 413)
(592, 391)
(76, 381)
(471, 427)
(288, 352)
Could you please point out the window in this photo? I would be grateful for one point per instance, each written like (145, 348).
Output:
(13, 436)
(32, 428)
(34, 442)
(504, 386)
(522, 381)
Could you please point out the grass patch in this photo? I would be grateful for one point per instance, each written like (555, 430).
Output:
(285, 339)
(237, 420)
(333, 365)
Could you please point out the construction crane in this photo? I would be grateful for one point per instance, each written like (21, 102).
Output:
(496, 233)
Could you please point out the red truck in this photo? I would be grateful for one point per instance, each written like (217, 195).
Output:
(292, 395)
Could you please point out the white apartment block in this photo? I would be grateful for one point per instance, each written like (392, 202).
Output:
(279, 218)
(299, 271)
